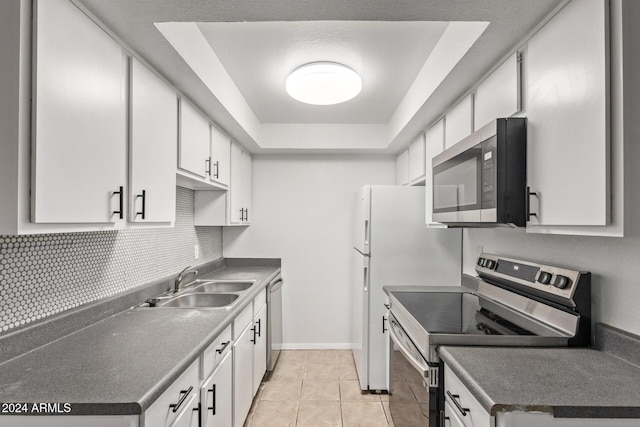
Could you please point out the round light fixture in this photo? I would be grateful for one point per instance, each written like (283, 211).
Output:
(323, 83)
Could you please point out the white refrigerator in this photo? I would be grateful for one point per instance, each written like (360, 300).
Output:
(393, 246)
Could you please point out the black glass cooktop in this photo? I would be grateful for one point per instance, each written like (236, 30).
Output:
(455, 313)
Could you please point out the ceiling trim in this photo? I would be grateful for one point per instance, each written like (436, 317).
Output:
(188, 40)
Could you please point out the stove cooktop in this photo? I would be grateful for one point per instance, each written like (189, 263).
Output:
(507, 305)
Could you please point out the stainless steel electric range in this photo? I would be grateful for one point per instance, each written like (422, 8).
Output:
(510, 303)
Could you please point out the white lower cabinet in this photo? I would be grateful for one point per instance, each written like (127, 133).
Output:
(249, 356)
(242, 375)
(259, 348)
(190, 414)
(170, 407)
(216, 395)
(461, 408)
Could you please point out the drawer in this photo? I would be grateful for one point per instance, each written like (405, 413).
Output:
(259, 301)
(164, 411)
(243, 320)
(459, 400)
(215, 352)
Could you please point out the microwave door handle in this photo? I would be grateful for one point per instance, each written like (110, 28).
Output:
(424, 371)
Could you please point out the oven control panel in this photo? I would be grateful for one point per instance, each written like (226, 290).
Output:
(551, 282)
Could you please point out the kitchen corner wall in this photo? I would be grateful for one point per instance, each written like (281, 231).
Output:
(614, 264)
(302, 207)
(42, 275)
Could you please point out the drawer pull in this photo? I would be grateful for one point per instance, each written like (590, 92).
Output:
(224, 346)
(184, 393)
(213, 401)
(455, 399)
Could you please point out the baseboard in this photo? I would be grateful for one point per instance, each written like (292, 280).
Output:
(317, 346)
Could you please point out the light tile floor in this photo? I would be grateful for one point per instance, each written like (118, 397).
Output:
(316, 388)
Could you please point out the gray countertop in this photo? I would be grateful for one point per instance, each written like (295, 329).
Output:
(121, 364)
(568, 382)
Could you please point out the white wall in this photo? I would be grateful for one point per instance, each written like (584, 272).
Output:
(302, 213)
(613, 262)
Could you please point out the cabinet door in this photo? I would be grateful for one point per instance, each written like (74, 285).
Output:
(246, 186)
(152, 149)
(220, 157)
(260, 348)
(216, 396)
(402, 168)
(80, 118)
(416, 160)
(235, 186)
(499, 95)
(194, 141)
(459, 122)
(433, 145)
(567, 111)
(242, 376)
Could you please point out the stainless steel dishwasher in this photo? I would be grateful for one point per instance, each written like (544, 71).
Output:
(274, 321)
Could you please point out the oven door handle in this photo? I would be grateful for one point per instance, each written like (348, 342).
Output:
(424, 370)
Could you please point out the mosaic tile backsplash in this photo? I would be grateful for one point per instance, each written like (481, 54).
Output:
(42, 275)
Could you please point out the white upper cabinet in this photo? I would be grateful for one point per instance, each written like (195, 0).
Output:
(499, 95)
(567, 65)
(233, 207)
(417, 161)
(220, 157)
(434, 145)
(402, 168)
(247, 177)
(152, 150)
(79, 119)
(459, 122)
(194, 141)
(240, 187)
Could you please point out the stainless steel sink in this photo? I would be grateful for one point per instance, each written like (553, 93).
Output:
(214, 286)
(200, 300)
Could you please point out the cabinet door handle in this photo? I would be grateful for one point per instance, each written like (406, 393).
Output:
(384, 319)
(224, 346)
(246, 214)
(528, 203)
(216, 170)
(241, 214)
(120, 194)
(184, 393)
(253, 340)
(259, 322)
(454, 398)
(144, 199)
(212, 408)
(207, 166)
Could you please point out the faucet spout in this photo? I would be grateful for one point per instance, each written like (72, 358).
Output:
(181, 276)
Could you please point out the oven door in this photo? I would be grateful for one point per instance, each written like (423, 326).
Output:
(410, 399)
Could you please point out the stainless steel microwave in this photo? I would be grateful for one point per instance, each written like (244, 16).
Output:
(481, 180)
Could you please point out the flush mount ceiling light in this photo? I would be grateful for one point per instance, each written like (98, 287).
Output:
(323, 83)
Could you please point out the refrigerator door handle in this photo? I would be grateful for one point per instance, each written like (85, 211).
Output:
(366, 232)
(365, 277)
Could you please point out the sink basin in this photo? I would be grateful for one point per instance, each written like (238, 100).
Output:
(214, 286)
(200, 301)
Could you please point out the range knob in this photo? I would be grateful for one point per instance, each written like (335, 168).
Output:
(490, 264)
(481, 262)
(544, 278)
(561, 282)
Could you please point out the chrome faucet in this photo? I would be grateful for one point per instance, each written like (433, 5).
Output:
(181, 276)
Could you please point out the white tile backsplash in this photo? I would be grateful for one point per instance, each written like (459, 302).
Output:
(42, 275)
